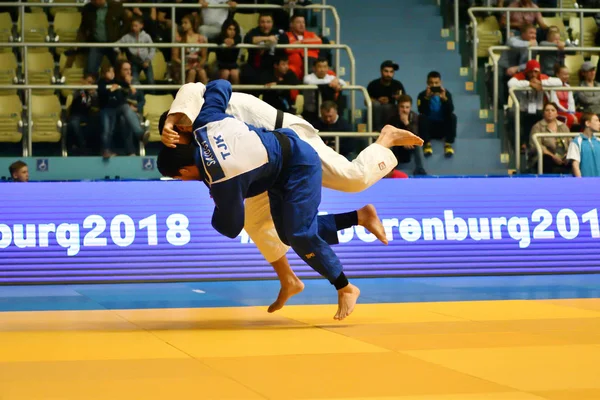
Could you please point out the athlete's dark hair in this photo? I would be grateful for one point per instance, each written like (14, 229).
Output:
(161, 121)
(171, 160)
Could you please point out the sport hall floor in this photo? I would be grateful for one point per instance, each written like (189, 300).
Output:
(488, 338)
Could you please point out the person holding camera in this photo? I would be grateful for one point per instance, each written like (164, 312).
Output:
(436, 115)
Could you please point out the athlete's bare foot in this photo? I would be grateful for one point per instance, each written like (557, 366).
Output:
(347, 298)
(392, 136)
(367, 217)
(287, 290)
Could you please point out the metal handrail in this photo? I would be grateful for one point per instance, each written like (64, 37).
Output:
(495, 61)
(507, 10)
(182, 46)
(456, 22)
(566, 49)
(324, 19)
(29, 88)
(491, 50)
(456, 12)
(174, 6)
(517, 107)
(540, 151)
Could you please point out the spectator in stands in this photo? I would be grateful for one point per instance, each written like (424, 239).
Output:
(554, 149)
(214, 18)
(112, 99)
(384, 93)
(102, 21)
(531, 102)
(330, 87)
(227, 56)
(550, 59)
(520, 19)
(294, 4)
(515, 59)
(81, 111)
(260, 61)
(565, 101)
(281, 74)
(154, 23)
(407, 119)
(130, 115)
(19, 172)
(162, 29)
(280, 16)
(299, 35)
(181, 12)
(590, 101)
(436, 115)
(584, 150)
(331, 121)
(196, 57)
(139, 57)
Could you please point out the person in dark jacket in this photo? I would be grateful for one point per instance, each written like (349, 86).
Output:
(112, 96)
(436, 114)
(281, 74)
(82, 111)
(408, 120)
(102, 21)
(260, 61)
(331, 121)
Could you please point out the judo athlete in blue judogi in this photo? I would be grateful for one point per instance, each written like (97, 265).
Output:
(239, 161)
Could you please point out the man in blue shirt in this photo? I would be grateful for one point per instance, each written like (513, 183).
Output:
(436, 115)
(238, 161)
(584, 150)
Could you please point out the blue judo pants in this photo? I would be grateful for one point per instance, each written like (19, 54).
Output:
(294, 207)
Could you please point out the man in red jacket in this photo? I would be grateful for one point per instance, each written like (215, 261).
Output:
(299, 35)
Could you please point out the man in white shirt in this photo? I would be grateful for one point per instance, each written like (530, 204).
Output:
(371, 165)
(329, 85)
(213, 18)
(532, 101)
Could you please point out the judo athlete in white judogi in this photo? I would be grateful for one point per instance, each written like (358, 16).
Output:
(338, 173)
(238, 161)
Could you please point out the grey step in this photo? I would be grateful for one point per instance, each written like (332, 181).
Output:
(409, 32)
(472, 157)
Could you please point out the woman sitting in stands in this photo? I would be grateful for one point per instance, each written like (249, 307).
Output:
(228, 54)
(554, 148)
(195, 57)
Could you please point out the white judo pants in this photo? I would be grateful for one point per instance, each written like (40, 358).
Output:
(372, 164)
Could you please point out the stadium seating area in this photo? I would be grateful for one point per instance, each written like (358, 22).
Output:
(58, 65)
(42, 115)
(503, 49)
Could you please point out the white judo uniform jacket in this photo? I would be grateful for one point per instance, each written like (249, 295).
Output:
(371, 165)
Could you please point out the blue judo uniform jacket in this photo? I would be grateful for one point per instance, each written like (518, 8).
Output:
(238, 161)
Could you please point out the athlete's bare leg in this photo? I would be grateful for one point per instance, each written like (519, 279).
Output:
(290, 283)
